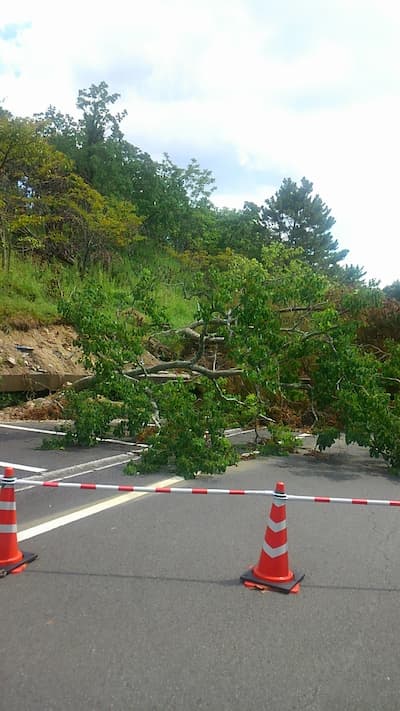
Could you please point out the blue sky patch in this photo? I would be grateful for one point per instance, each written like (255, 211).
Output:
(10, 32)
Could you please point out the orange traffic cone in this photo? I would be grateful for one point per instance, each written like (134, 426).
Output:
(272, 570)
(12, 560)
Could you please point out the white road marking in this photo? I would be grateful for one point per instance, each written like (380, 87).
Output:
(22, 467)
(60, 478)
(71, 476)
(29, 429)
(88, 511)
(63, 434)
(108, 466)
(122, 441)
(237, 431)
(228, 433)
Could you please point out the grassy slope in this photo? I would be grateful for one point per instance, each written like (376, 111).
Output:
(30, 291)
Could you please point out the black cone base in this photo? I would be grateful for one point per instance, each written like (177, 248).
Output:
(249, 577)
(27, 558)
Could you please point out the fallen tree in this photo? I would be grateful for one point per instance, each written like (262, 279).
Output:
(268, 336)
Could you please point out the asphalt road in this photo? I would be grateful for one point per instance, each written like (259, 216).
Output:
(20, 445)
(140, 606)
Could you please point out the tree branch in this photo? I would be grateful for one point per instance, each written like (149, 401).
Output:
(185, 365)
(200, 349)
(228, 398)
(315, 307)
(190, 329)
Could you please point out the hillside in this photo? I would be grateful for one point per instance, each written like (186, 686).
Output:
(251, 308)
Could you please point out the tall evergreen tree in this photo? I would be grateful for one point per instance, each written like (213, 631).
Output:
(296, 217)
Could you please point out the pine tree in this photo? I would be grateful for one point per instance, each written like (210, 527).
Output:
(295, 217)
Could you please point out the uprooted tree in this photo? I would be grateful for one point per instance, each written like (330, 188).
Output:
(268, 338)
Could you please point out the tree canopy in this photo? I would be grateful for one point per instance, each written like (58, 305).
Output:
(296, 217)
(48, 209)
(269, 336)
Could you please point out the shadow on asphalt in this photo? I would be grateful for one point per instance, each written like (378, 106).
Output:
(202, 581)
(125, 576)
(337, 466)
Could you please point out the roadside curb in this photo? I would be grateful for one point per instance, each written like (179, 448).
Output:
(93, 464)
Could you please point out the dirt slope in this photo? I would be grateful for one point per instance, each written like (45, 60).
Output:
(39, 350)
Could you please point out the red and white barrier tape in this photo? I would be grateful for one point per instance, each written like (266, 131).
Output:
(339, 500)
(230, 492)
(147, 489)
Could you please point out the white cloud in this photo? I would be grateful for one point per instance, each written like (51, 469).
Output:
(299, 88)
(237, 199)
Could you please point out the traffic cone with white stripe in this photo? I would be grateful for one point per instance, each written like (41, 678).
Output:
(272, 570)
(12, 560)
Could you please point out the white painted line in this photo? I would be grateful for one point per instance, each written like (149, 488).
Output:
(63, 434)
(22, 467)
(52, 476)
(71, 476)
(79, 473)
(60, 478)
(108, 466)
(30, 429)
(122, 441)
(34, 477)
(234, 432)
(88, 511)
(25, 488)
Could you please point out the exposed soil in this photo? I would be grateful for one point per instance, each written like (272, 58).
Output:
(53, 351)
(41, 350)
(42, 408)
(46, 350)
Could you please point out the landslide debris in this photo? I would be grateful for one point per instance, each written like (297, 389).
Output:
(46, 349)
(42, 350)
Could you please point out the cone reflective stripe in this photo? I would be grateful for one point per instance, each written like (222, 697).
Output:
(272, 570)
(274, 559)
(12, 559)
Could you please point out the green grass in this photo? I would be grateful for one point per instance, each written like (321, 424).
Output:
(180, 311)
(31, 290)
(24, 294)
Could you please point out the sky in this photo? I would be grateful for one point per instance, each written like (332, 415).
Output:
(255, 90)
